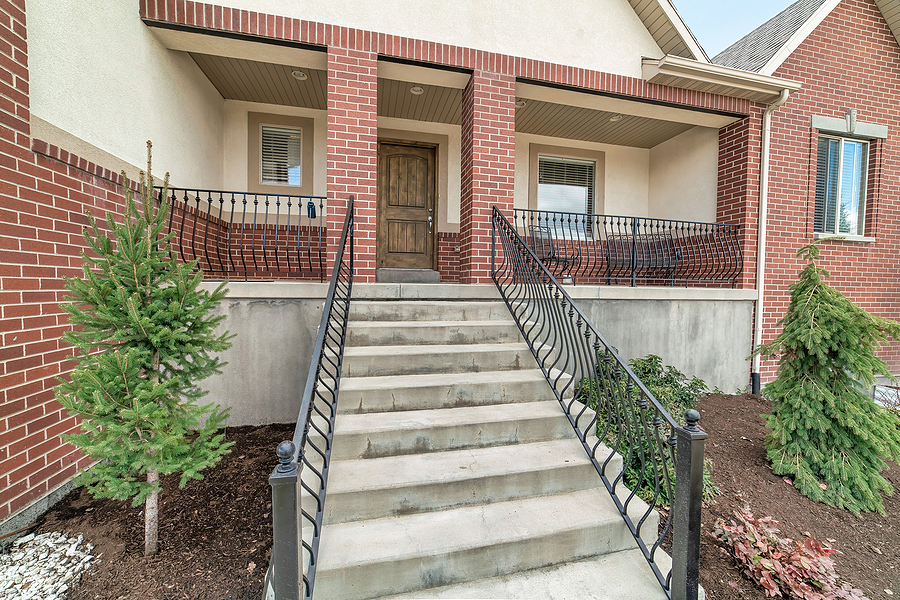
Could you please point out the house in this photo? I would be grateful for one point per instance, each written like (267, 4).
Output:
(833, 158)
(613, 99)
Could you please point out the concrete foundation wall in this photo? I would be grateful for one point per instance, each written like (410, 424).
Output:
(704, 333)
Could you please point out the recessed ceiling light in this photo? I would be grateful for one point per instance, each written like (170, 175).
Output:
(299, 75)
(521, 104)
(615, 118)
(416, 90)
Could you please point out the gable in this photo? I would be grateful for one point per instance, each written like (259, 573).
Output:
(603, 35)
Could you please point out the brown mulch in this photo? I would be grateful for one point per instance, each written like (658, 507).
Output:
(215, 535)
(870, 559)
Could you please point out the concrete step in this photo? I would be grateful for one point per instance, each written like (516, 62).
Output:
(383, 333)
(623, 575)
(368, 559)
(415, 483)
(374, 361)
(421, 431)
(411, 310)
(440, 390)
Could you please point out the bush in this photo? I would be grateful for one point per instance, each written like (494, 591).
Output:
(779, 565)
(676, 393)
(827, 434)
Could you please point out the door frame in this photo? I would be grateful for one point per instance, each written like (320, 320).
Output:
(393, 141)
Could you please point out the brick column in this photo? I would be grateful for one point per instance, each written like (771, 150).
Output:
(738, 186)
(488, 167)
(353, 151)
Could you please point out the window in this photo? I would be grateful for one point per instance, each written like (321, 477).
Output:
(841, 186)
(566, 185)
(281, 152)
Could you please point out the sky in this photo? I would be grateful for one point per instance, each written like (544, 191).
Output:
(719, 23)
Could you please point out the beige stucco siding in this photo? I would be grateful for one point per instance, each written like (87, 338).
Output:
(605, 35)
(684, 175)
(99, 74)
(626, 173)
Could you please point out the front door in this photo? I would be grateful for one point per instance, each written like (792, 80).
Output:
(406, 216)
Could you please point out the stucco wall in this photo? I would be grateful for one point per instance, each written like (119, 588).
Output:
(235, 132)
(98, 73)
(605, 35)
(684, 175)
(627, 174)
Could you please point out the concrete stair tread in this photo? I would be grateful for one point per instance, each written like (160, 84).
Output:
(407, 349)
(398, 421)
(436, 323)
(437, 534)
(623, 575)
(442, 468)
(419, 380)
(462, 310)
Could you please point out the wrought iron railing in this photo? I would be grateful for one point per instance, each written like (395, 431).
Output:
(588, 248)
(650, 464)
(298, 482)
(249, 235)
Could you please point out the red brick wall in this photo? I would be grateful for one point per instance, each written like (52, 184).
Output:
(448, 256)
(849, 61)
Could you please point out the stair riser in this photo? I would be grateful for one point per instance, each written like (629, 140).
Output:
(372, 580)
(440, 495)
(362, 334)
(377, 364)
(438, 396)
(432, 311)
(458, 437)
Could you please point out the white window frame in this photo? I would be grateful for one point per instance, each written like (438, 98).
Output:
(298, 182)
(560, 231)
(838, 184)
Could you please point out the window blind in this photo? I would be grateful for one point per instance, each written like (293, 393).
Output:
(281, 151)
(841, 167)
(565, 185)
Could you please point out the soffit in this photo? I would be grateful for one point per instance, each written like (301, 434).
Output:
(589, 125)
(268, 83)
(436, 104)
(668, 29)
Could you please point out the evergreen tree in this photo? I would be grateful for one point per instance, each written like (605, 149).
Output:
(144, 334)
(826, 433)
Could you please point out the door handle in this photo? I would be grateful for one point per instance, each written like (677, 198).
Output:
(430, 219)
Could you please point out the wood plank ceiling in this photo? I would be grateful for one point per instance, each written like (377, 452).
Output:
(251, 81)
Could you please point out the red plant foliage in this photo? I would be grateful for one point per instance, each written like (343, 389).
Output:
(783, 567)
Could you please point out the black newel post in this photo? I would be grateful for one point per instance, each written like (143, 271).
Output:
(285, 572)
(687, 508)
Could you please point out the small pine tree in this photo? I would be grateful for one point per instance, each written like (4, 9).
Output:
(826, 433)
(144, 334)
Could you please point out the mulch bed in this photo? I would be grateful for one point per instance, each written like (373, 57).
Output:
(869, 543)
(215, 535)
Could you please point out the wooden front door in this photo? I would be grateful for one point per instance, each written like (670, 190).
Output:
(406, 217)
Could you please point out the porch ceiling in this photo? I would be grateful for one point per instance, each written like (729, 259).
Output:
(252, 81)
(271, 83)
(590, 125)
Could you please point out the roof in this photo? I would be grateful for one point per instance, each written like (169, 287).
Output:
(756, 49)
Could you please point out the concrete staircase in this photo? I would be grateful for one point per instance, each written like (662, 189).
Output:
(454, 473)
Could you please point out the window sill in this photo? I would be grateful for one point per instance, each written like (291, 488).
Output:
(844, 237)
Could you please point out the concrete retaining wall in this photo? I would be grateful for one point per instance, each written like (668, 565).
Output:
(702, 332)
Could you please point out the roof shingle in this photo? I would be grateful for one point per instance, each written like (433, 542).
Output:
(754, 50)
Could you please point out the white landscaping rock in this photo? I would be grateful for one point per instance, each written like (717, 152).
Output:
(43, 566)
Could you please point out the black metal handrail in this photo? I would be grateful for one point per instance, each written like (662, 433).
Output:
(248, 234)
(589, 248)
(298, 482)
(643, 456)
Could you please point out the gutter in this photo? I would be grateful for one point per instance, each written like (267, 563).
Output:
(761, 236)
